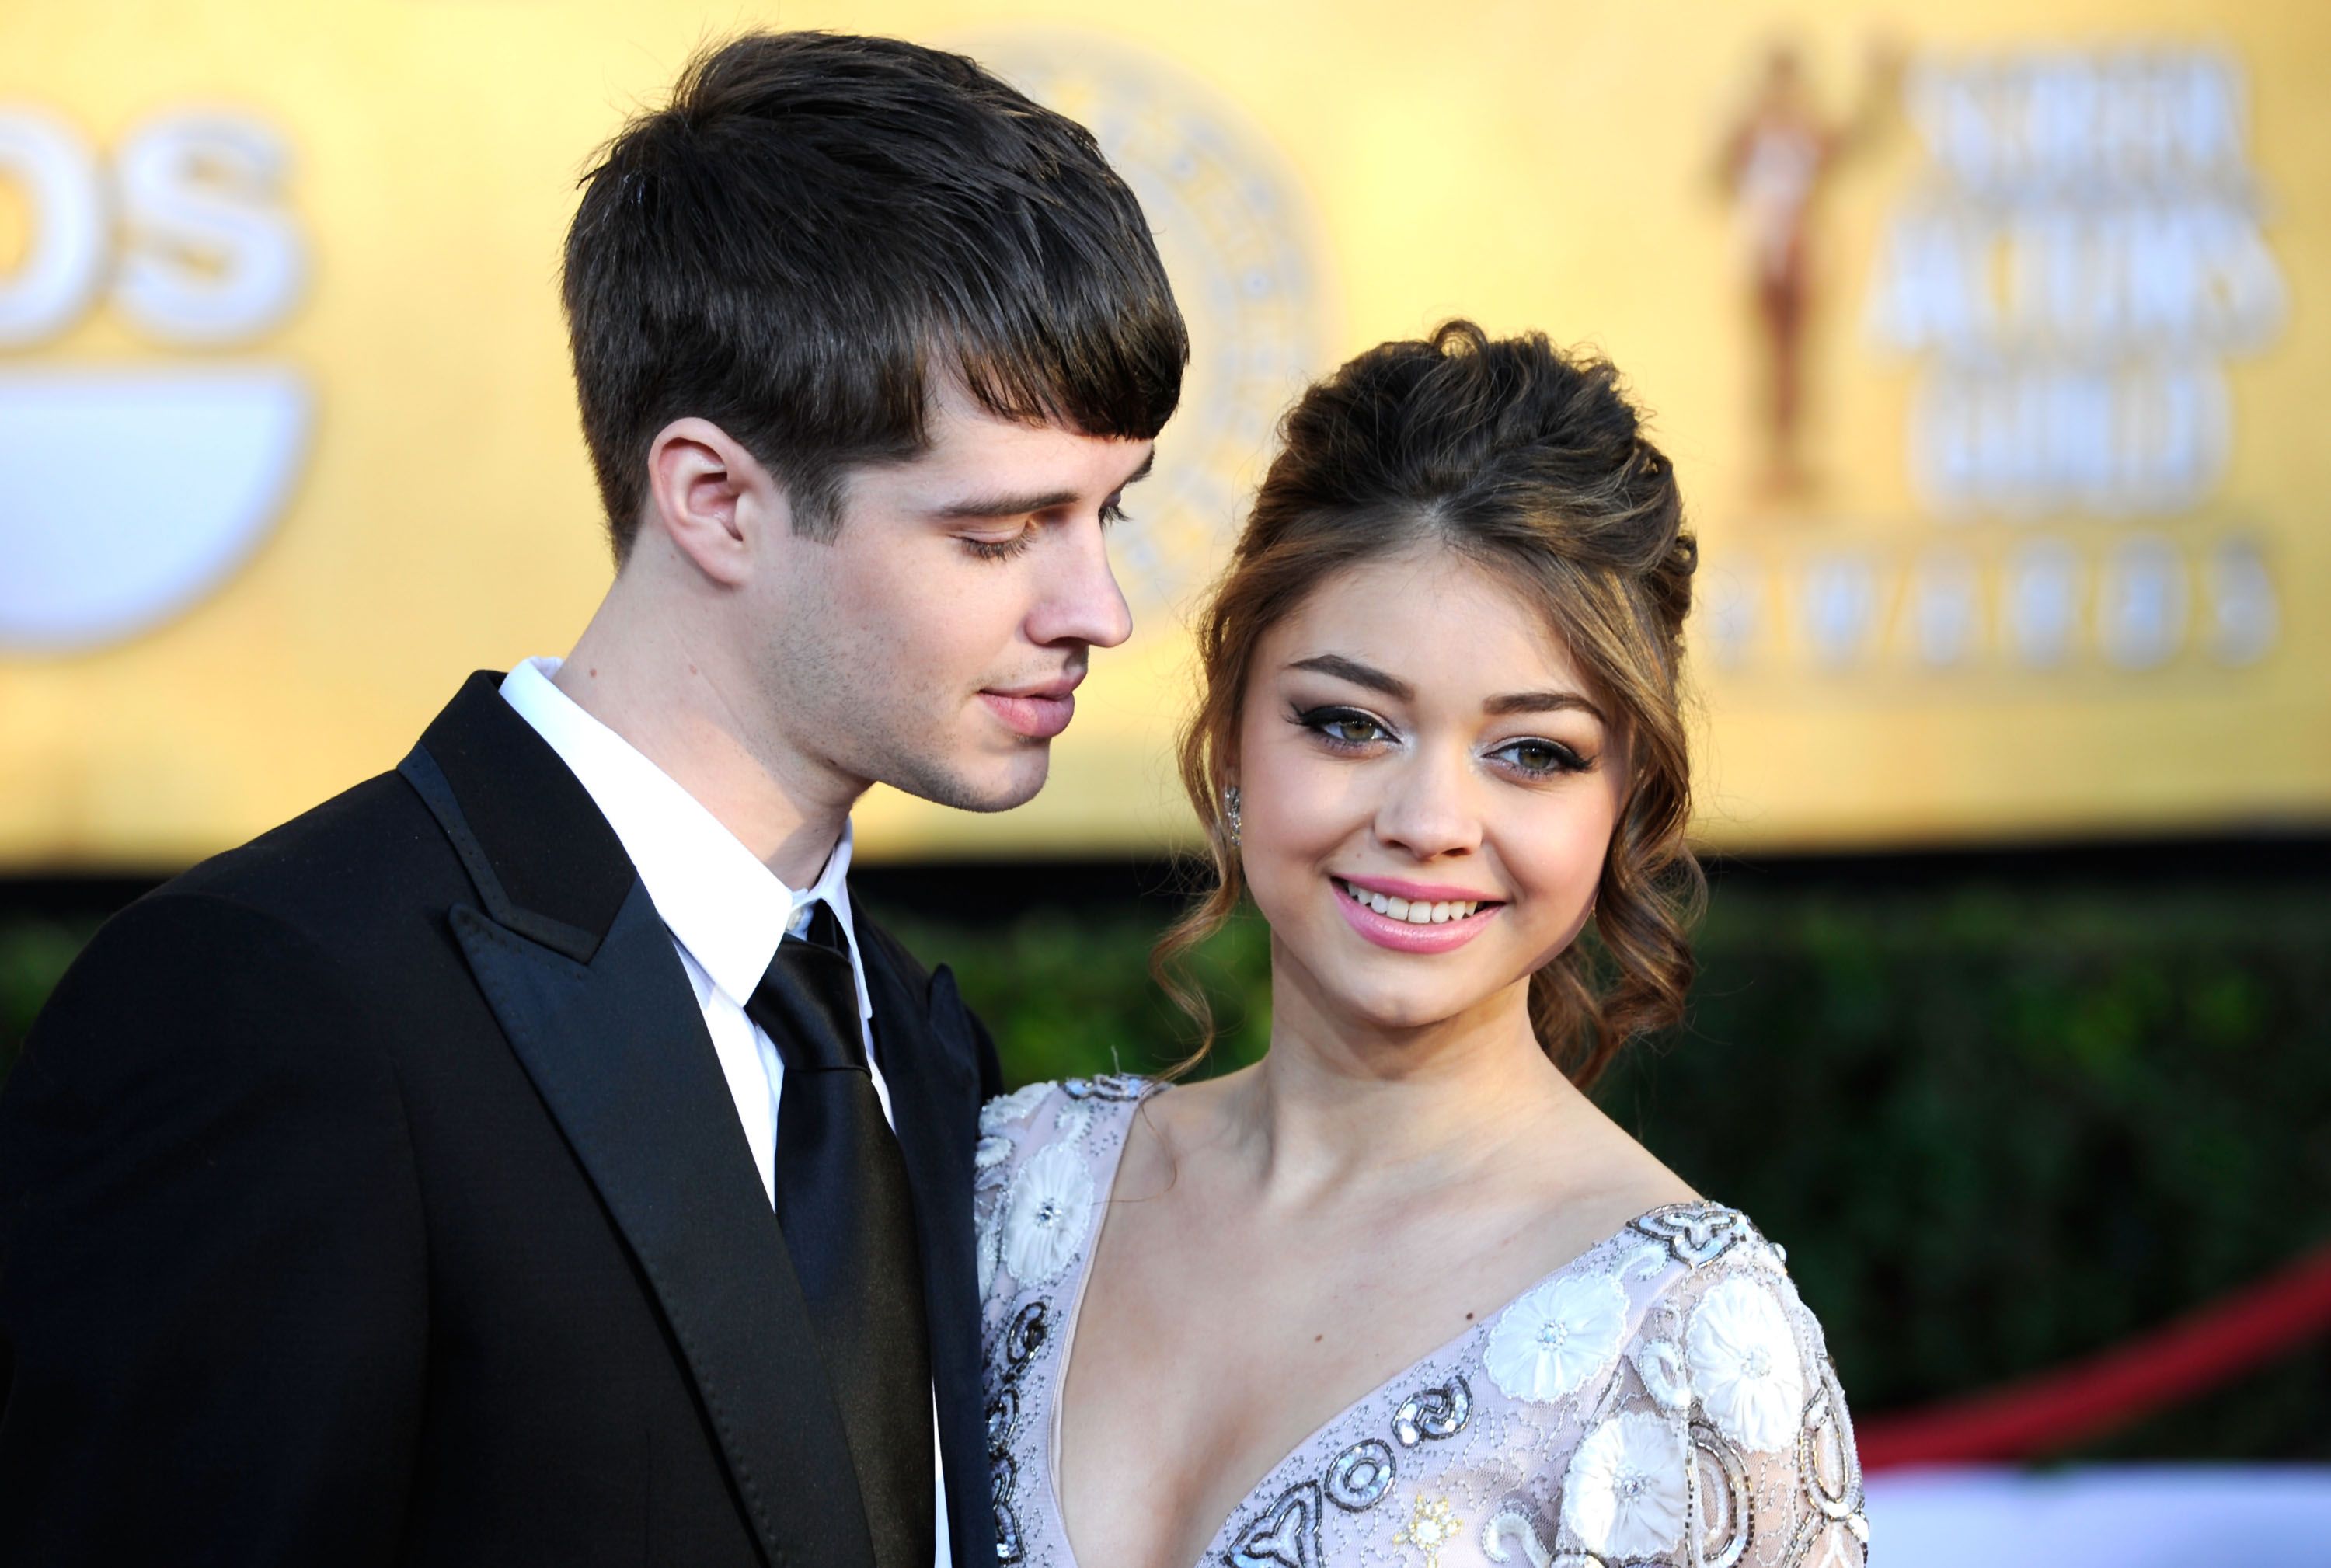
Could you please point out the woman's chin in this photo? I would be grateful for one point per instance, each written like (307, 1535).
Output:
(1374, 990)
(1402, 1009)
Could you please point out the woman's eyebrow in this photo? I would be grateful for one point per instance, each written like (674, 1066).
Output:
(1541, 702)
(1358, 674)
(1557, 701)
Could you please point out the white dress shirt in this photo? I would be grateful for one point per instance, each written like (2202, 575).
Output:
(726, 910)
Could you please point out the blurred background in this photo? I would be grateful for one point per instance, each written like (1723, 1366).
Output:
(1985, 337)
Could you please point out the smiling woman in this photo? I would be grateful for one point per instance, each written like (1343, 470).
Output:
(1516, 479)
(1398, 1291)
(1384, 754)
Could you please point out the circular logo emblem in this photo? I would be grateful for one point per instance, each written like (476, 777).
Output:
(129, 492)
(1239, 241)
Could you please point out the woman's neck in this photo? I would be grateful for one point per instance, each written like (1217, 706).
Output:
(1337, 1104)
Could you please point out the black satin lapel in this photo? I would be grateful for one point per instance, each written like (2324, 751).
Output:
(536, 837)
(618, 1051)
(930, 1066)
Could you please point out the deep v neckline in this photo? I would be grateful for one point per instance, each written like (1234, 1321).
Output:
(1057, 1388)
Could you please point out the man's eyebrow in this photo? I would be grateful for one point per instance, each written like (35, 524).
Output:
(1005, 503)
(1542, 702)
(1358, 674)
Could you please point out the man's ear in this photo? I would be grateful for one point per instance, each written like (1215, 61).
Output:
(711, 498)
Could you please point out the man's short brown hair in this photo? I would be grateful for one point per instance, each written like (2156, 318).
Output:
(821, 228)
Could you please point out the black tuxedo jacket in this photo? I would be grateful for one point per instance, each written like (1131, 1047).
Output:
(372, 1194)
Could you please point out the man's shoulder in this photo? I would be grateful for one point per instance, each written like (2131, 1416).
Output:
(360, 851)
(340, 881)
(262, 951)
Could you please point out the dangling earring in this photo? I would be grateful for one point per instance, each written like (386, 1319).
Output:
(1231, 808)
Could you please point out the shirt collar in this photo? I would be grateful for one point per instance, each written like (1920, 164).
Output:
(714, 895)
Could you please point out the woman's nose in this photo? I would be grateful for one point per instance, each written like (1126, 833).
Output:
(1427, 808)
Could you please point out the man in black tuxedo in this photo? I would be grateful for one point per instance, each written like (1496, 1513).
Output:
(531, 1157)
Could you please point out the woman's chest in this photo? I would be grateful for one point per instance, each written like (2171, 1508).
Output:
(1167, 1423)
(1202, 1466)
(1206, 1353)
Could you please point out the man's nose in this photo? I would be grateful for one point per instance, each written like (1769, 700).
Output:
(1083, 602)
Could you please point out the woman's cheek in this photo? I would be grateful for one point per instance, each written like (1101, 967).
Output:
(1558, 866)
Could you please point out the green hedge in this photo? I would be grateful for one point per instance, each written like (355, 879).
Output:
(33, 954)
(1996, 1127)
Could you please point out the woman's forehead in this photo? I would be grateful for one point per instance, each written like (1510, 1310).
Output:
(1435, 612)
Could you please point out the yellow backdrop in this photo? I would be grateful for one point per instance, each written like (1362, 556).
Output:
(287, 444)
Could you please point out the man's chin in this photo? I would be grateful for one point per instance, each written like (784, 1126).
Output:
(999, 785)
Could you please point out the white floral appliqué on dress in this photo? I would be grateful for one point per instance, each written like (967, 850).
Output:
(1662, 1401)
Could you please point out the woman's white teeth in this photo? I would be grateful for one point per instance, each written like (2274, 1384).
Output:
(1419, 913)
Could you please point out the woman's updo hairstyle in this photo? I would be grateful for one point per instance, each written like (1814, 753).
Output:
(1533, 465)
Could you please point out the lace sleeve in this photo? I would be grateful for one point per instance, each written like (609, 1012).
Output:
(1730, 1384)
(1724, 1439)
(1010, 1130)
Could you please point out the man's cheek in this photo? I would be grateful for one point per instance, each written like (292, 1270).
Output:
(931, 679)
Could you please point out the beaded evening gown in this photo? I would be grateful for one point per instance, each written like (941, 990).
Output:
(1662, 1398)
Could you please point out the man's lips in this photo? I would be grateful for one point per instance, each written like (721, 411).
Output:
(1036, 712)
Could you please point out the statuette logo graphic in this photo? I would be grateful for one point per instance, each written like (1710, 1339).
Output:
(130, 491)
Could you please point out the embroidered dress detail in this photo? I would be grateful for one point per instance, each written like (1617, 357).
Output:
(1744, 1365)
(1361, 1476)
(1625, 1493)
(1546, 1345)
(1662, 1401)
(1001, 1113)
(1697, 1233)
(1431, 1529)
(1286, 1536)
(1437, 1413)
(1046, 1212)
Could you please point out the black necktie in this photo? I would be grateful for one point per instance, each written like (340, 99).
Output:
(849, 1222)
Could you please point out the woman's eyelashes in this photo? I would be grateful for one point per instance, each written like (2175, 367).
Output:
(1346, 729)
(1536, 758)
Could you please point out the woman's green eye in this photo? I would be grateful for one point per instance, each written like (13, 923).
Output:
(1343, 726)
(1542, 756)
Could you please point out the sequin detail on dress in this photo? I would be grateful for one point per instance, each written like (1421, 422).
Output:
(1022, 1339)
(1436, 1412)
(1697, 1233)
(1662, 1401)
(1361, 1475)
(1287, 1536)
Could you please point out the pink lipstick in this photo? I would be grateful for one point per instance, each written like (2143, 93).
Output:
(1393, 927)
